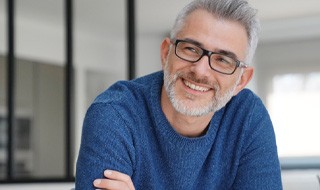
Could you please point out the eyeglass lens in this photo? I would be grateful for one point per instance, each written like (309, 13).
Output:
(192, 53)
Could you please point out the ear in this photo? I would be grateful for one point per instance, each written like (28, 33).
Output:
(245, 79)
(164, 51)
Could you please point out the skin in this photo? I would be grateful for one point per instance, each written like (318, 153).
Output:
(212, 34)
(114, 181)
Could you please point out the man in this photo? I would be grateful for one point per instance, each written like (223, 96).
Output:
(192, 126)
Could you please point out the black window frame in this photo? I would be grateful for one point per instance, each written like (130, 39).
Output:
(69, 87)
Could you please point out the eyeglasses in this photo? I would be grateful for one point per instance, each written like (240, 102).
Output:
(219, 62)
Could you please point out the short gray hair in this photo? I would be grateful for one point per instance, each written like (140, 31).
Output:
(234, 10)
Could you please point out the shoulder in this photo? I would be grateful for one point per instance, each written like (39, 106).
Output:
(246, 96)
(124, 101)
(247, 111)
(129, 91)
(253, 105)
(246, 102)
(250, 117)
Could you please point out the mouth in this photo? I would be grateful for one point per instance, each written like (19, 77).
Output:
(195, 87)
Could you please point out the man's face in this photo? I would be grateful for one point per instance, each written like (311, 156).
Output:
(194, 89)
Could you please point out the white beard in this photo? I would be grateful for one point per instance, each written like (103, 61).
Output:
(181, 106)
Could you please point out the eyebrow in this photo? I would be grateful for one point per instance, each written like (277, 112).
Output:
(220, 51)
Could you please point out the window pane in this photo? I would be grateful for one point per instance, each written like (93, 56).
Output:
(294, 106)
(100, 52)
(3, 87)
(39, 140)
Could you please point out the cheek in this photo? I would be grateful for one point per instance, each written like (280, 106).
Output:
(226, 82)
(172, 65)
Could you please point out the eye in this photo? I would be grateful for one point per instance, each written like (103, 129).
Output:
(223, 59)
(191, 49)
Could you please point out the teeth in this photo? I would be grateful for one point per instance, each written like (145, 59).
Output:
(194, 87)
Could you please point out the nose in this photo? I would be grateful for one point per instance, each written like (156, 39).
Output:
(202, 67)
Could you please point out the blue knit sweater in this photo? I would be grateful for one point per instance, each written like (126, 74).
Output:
(126, 130)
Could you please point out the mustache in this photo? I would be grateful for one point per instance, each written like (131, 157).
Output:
(201, 80)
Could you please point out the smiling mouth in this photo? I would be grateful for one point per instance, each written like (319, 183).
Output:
(195, 87)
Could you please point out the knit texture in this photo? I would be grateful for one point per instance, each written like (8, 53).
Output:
(126, 130)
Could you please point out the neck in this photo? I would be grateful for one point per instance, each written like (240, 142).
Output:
(189, 126)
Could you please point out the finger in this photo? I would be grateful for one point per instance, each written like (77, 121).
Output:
(115, 175)
(109, 184)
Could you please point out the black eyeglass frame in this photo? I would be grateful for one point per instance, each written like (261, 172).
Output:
(208, 53)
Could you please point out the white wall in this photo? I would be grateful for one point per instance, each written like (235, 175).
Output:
(301, 180)
(148, 53)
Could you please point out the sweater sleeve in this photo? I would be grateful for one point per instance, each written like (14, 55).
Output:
(106, 144)
(259, 166)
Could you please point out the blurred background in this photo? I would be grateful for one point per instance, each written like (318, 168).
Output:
(46, 93)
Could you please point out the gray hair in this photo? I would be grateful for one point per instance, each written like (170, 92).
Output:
(234, 10)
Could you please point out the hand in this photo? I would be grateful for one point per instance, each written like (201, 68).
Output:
(115, 181)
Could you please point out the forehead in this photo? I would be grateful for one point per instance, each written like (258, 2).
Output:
(215, 34)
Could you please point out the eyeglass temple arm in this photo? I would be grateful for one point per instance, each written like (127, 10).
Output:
(242, 65)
